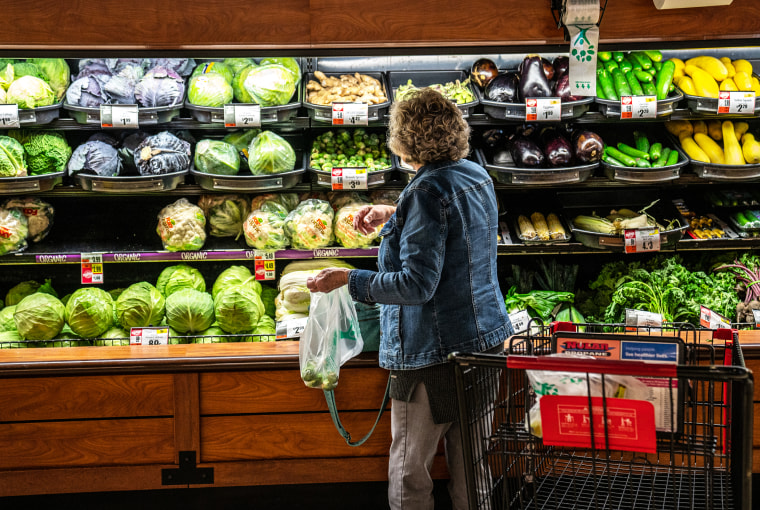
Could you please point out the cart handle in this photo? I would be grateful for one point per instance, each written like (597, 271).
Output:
(595, 365)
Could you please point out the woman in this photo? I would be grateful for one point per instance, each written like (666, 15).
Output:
(438, 289)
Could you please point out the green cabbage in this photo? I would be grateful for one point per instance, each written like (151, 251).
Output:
(12, 158)
(242, 139)
(266, 328)
(6, 75)
(46, 151)
(39, 317)
(56, 72)
(238, 85)
(232, 276)
(189, 310)
(267, 297)
(11, 340)
(213, 335)
(2, 95)
(15, 229)
(269, 153)
(20, 291)
(219, 68)
(216, 157)
(6, 319)
(27, 69)
(178, 277)
(114, 336)
(210, 89)
(238, 309)
(270, 85)
(30, 92)
(89, 312)
(140, 305)
(289, 63)
(237, 64)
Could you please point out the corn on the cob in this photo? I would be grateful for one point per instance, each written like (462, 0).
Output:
(526, 227)
(556, 230)
(542, 229)
(594, 224)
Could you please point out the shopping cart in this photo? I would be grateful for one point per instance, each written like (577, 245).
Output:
(701, 460)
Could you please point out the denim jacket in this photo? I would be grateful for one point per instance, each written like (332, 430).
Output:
(437, 282)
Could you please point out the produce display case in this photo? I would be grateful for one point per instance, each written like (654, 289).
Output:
(39, 116)
(637, 175)
(665, 107)
(516, 111)
(130, 183)
(30, 184)
(718, 172)
(709, 105)
(146, 116)
(324, 113)
(426, 78)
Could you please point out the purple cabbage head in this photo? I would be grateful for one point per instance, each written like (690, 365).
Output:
(95, 157)
(88, 91)
(160, 87)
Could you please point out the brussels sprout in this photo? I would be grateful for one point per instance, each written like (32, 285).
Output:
(189, 310)
(178, 277)
(39, 317)
(89, 312)
(140, 305)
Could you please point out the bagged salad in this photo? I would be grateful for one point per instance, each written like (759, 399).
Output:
(310, 225)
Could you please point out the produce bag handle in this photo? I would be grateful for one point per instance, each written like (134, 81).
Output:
(330, 398)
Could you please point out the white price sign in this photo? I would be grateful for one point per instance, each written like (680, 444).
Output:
(149, 336)
(642, 240)
(92, 267)
(638, 107)
(642, 318)
(242, 115)
(120, 116)
(348, 178)
(350, 114)
(292, 328)
(736, 102)
(756, 314)
(543, 109)
(264, 264)
(9, 116)
(712, 320)
(519, 320)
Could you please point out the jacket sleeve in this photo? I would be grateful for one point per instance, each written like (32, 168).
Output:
(422, 244)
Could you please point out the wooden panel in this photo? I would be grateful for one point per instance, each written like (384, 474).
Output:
(66, 398)
(87, 443)
(155, 25)
(186, 420)
(756, 461)
(270, 391)
(754, 365)
(26, 482)
(290, 436)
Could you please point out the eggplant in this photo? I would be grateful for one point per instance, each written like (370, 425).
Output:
(588, 146)
(525, 152)
(533, 82)
(494, 138)
(561, 66)
(562, 89)
(503, 88)
(483, 71)
(548, 69)
(557, 148)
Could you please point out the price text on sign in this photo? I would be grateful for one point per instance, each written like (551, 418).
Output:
(642, 240)
(242, 115)
(149, 336)
(350, 114)
(120, 116)
(92, 267)
(519, 320)
(638, 107)
(712, 320)
(642, 318)
(736, 102)
(543, 109)
(9, 116)
(291, 329)
(264, 264)
(348, 178)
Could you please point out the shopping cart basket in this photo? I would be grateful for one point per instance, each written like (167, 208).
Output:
(702, 461)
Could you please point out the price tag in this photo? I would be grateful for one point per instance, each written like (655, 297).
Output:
(264, 264)
(149, 336)
(291, 329)
(637, 319)
(9, 116)
(712, 320)
(348, 178)
(121, 116)
(638, 107)
(350, 114)
(641, 240)
(92, 267)
(242, 115)
(519, 320)
(756, 313)
(543, 109)
(736, 102)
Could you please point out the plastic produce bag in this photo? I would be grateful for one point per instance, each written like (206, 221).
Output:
(14, 230)
(331, 337)
(39, 215)
(345, 233)
(225, 213)
(310, 225)
(181, 226)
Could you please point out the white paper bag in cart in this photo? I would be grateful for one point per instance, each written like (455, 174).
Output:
(331, 337)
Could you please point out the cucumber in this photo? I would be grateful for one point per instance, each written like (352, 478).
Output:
(617, 56)
(634, 153)
(621, 85)
(663, 159)
(610, 160)
(643, 76)
(610, 65)
(606, 82)
(742, 220)
(646, 62)
(633, 84)
(655, 151)
(649, 88)
(643, 163)
(665, 79)
(625, 65)
(604, 56)
(654, 55)
(620, 156)
(642, 142)
(672, 158)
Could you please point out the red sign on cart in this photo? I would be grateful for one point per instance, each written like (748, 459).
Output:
(566, 421)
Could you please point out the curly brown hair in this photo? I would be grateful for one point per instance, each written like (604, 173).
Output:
(427, 128)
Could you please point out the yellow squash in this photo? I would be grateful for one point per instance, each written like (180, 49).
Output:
(729, 66)
(679, 128)
(711, 65)
(714, 129)
(743, 80)
(692, 149)
(699, 126)
(755, 86)
(732, 151)
(679, 67)
(712, 149)
(704, 83)
(750, 149)
(728, 84)
(740, 128)
(743, 66)
(686, 84)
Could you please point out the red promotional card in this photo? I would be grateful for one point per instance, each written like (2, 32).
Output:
(565, 421)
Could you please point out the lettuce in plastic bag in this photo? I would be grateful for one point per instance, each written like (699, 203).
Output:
(181, 226)
(345, 233)
(270, 85)
(310, 225)
(216, 157)
(225, 214)
(14, 229)
(265, 230)
(39, 215)
(269, 153)
(210, 89)
(237, 64)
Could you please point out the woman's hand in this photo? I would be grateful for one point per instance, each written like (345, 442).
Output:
(328, 279)
(370, 217)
